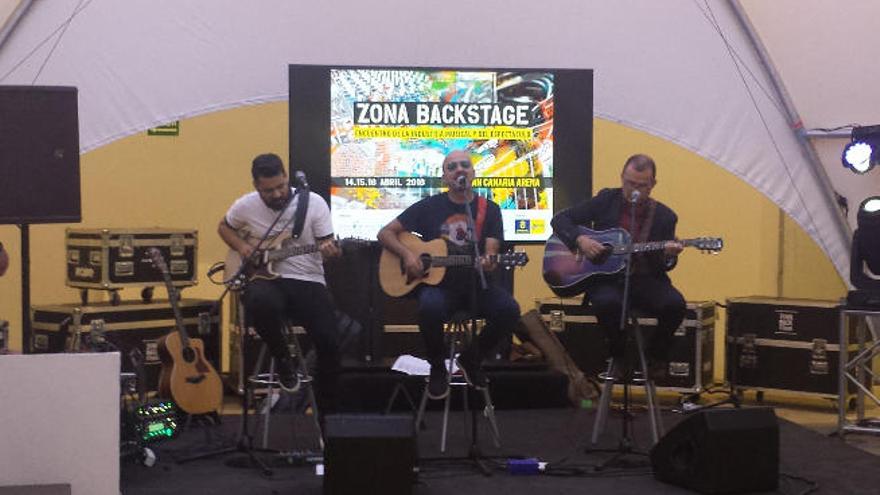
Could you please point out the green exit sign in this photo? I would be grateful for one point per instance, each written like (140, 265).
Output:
(172, 129)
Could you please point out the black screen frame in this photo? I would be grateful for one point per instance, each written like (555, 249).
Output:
(309, 127)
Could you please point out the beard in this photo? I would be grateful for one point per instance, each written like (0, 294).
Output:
(277, 204)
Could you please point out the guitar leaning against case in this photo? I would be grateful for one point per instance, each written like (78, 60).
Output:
(186, 376)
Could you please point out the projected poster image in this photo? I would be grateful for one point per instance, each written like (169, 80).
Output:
(390, 130)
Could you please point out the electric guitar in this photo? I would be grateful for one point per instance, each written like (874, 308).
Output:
(186, 376)
(435, 259)
(567, 272)
(261, 264)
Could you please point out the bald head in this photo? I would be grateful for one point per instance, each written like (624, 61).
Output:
(457, 167)
(456, 156)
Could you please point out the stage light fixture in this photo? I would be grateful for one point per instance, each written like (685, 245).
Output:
(862, 153)
(865, 268)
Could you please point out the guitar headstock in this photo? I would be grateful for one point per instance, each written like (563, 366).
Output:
(354, 242)
(511, 259)
(709, 244)
(158, 260)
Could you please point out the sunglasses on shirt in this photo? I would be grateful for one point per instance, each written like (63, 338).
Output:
(453, 165)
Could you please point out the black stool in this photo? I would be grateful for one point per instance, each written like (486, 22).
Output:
(608, 380)
(460, 331)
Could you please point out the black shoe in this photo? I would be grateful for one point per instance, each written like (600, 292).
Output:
(470, 370)
(288, 378)
(438, 383)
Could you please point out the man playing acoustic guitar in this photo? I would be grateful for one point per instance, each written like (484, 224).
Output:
(443, 216)
(651, 289)
(300, 290)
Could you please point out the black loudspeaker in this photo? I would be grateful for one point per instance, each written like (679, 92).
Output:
(721, 451)
(369, 453)
(39, 155)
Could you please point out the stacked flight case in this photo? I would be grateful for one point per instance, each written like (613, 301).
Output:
(116, 258)
(124, 327)
(691, 356)
(789, 345)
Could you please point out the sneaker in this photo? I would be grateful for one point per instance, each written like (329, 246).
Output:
(470, 370)
(288, 378)
(438, 383)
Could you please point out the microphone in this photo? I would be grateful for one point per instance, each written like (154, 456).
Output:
(299, 178)
(634, 196)
(461, 181)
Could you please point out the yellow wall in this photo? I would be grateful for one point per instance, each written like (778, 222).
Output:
(190, 180)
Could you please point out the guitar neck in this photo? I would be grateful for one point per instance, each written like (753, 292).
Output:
(287, 252)
(642, 247)
(458, 260)
(174, 300)
(453, 260)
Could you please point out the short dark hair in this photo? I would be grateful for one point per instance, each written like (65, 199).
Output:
(641, 163)
(267, 165)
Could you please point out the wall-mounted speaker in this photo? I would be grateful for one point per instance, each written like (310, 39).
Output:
(39, 155)
(721, 451)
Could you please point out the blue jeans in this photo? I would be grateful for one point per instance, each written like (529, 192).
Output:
(437, 305)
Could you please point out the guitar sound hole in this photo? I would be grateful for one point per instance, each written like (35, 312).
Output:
(189, 355)
(603, 256)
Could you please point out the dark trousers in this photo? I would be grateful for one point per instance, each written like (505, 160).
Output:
(438, 304)
(270, 303)
(654, 296)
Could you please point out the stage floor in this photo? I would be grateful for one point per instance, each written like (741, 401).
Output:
(556, 436)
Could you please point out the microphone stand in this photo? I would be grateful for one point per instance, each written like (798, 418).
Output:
(625, 446)
(474, 453)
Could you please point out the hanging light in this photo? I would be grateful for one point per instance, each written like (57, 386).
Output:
(862, 153)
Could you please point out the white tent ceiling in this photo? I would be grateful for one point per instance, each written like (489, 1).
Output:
(684, 70)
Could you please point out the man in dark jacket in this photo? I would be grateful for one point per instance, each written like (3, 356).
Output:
(651, 289)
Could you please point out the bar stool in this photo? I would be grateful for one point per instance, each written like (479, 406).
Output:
(266, 379)
(460, 331)
(608, 380)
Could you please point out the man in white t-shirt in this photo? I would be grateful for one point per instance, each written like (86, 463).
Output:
(299, 291)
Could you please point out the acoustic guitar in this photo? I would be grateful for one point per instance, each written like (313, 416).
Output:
(186, 376)
(435, 259)
(567, 272)
(261, 264)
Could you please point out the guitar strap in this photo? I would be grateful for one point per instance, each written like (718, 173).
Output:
(481, 217)
(302, 206)
(640, 264)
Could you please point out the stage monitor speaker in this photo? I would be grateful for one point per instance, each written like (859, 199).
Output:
(721, 451)
(39, 155)
(369, 453)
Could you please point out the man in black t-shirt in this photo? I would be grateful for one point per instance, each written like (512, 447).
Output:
(444, 216)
